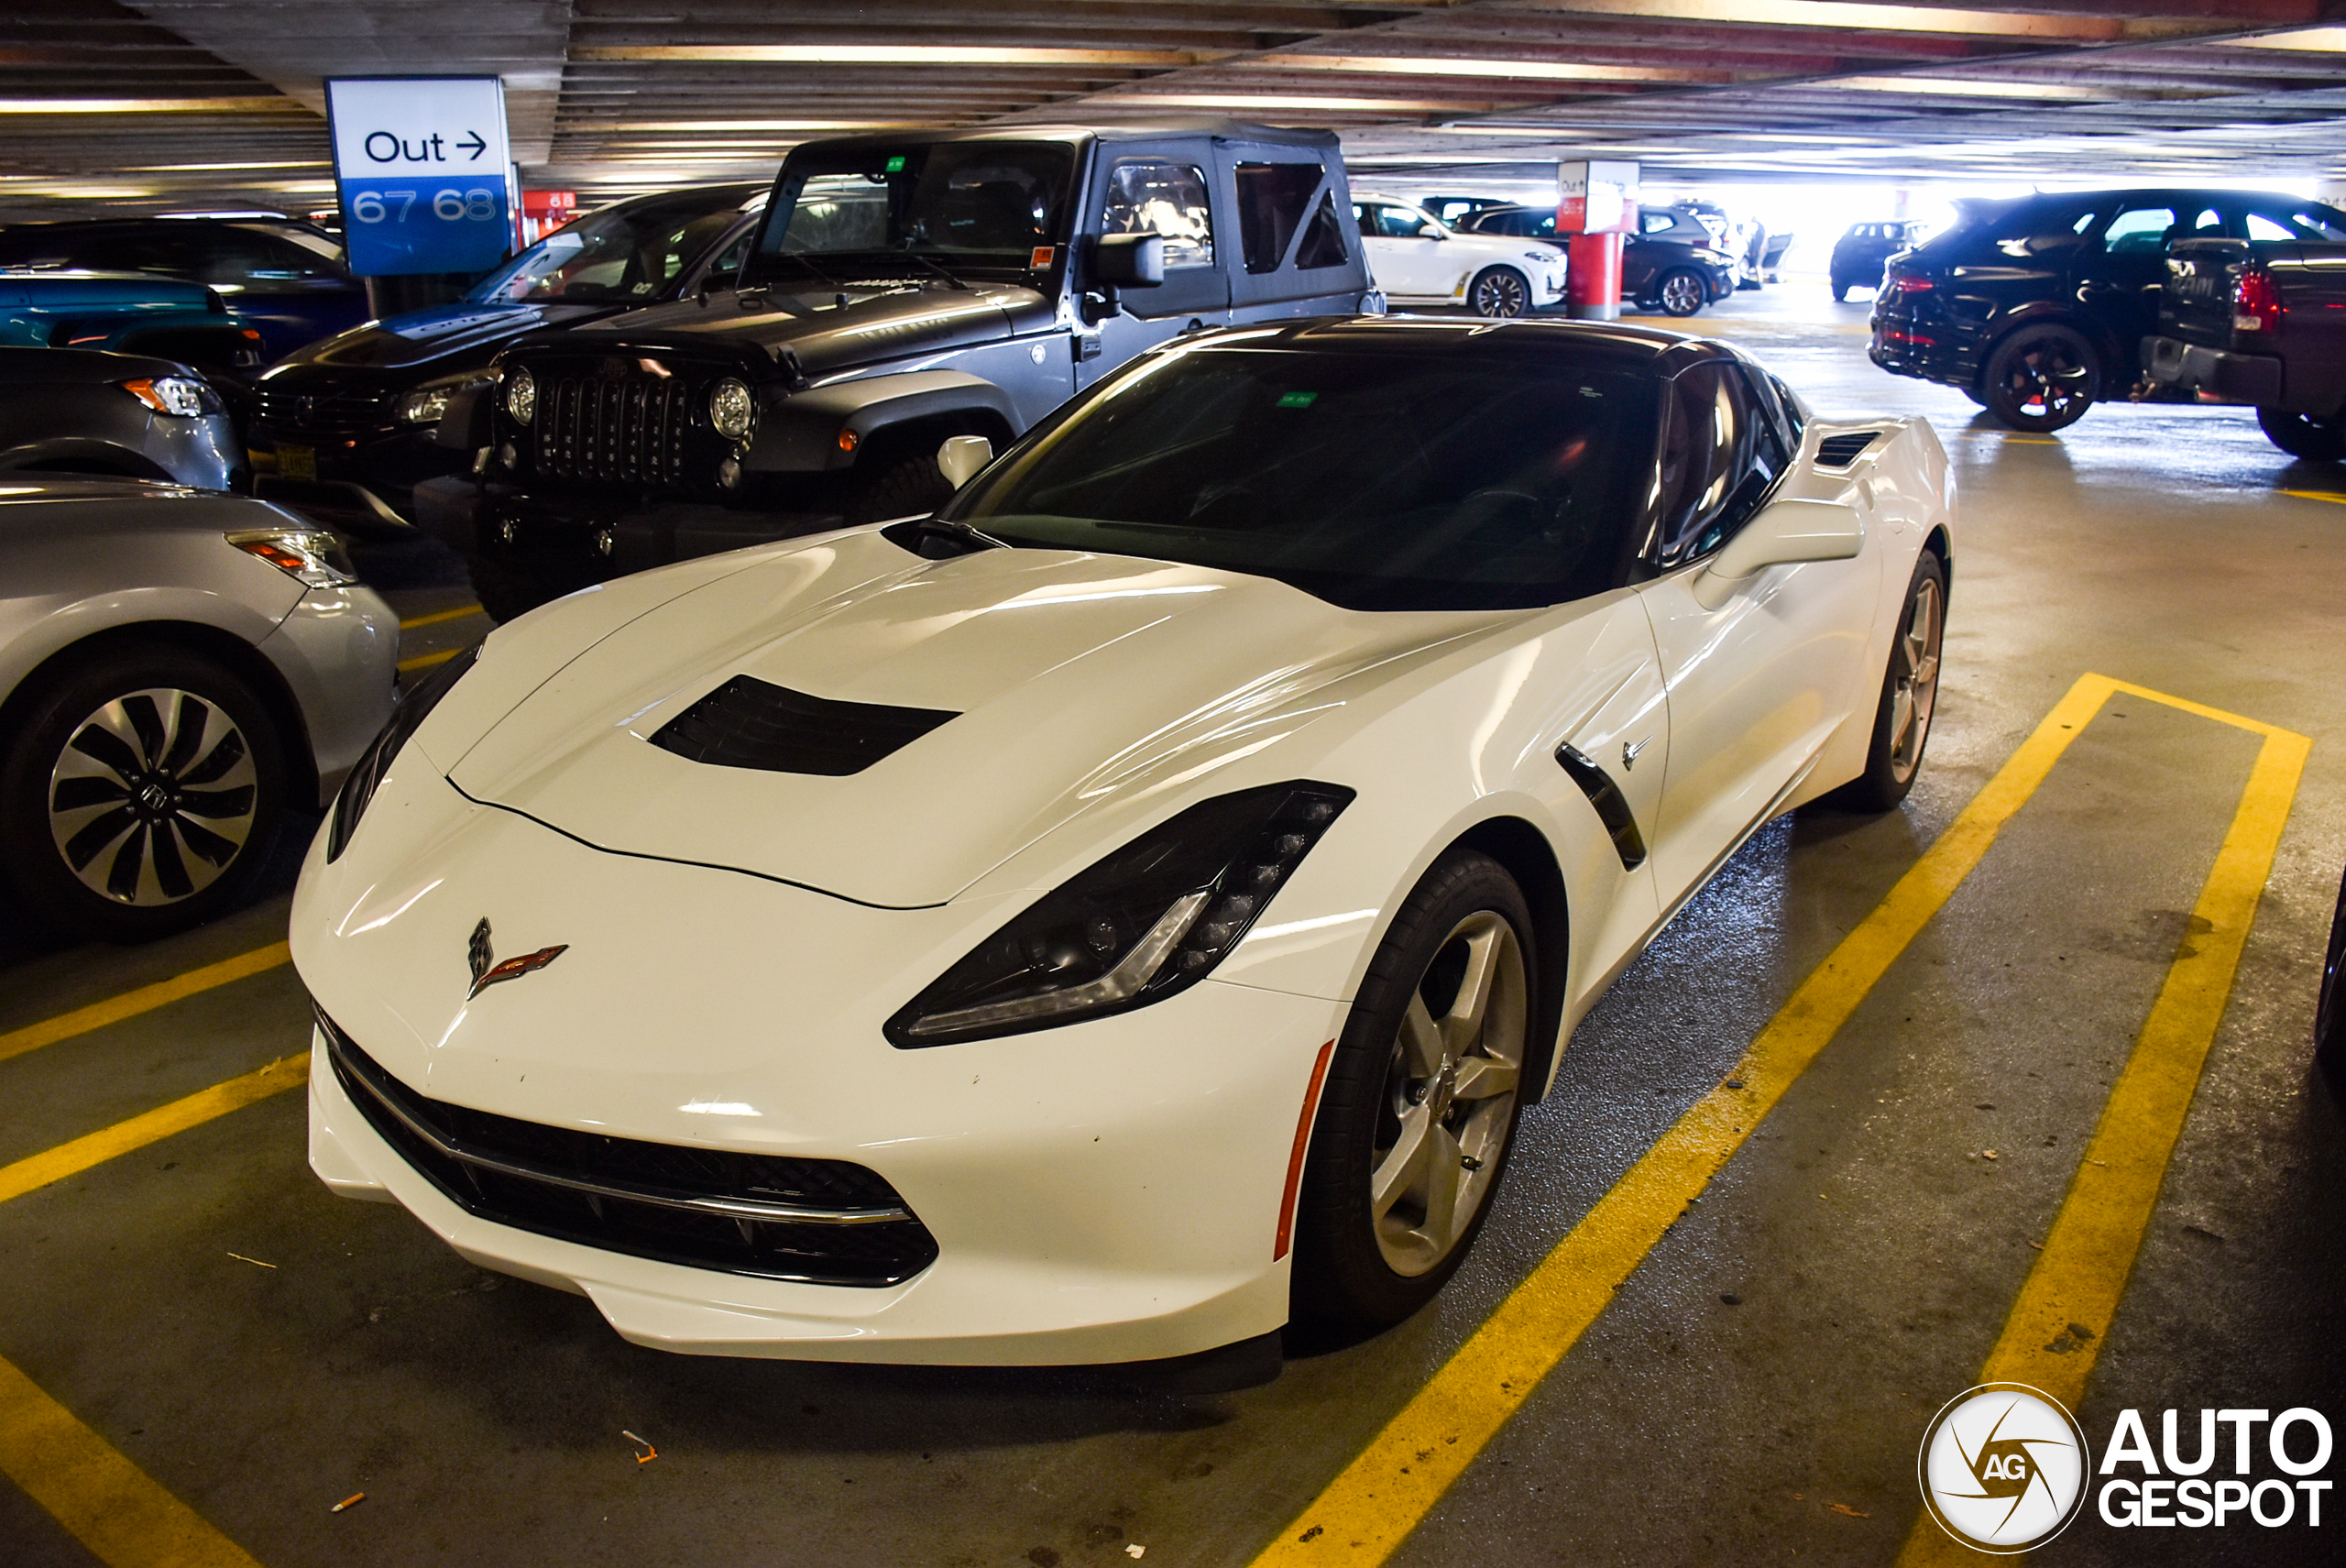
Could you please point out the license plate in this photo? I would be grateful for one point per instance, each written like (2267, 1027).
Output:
(296, 462)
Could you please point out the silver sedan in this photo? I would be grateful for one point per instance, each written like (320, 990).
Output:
(177, 669)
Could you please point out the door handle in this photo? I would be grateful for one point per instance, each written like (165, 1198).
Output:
(1087, 346)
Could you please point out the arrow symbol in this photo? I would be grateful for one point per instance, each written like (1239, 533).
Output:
(472, 139)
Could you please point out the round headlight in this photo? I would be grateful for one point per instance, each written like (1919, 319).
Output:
(521, 394)
(729, 409)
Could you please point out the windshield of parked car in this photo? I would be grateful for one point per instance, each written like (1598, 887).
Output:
(1376, 479)
(841, 214)
(618, 255)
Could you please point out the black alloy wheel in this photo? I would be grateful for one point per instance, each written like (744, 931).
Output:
(1421, 1101)
(1909, 693)
(2041, 378)
(1499, 292)
(1681, 291)
(141, 795)
(2304, 436)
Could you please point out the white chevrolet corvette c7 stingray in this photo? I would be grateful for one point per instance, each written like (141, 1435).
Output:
(1132, 908)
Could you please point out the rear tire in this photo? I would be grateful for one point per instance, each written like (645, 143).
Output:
(1840, 291)
(1681, 291)
(1422, 1098)
(2041, 378)
(141, 794)
(2302, 435)
(1910, 687)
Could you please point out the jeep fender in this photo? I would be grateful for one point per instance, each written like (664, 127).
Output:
(808, 431)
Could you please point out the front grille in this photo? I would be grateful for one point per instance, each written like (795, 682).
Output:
(750, 723)
(331, 412)
(629, 431)
(824, 1221)
(1840, 451)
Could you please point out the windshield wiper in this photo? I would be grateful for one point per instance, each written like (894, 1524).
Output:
(972, 539)
(932, 264)
(805, 260)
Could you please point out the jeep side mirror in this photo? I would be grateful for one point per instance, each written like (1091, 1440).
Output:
(1128, 260)
(962, 456)
(1785, 533)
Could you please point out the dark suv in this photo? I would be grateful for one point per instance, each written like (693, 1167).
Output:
(1670, 264)
(2036, 308)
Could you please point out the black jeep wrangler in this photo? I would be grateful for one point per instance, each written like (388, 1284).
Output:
(902, 290)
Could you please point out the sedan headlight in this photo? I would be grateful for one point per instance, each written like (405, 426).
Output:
(181, 395)
(407, 715)
(310, 556)
(731, 408)
(521, 394)
(1146, 922)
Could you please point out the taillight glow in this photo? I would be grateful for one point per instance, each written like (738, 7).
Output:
(2256, 303)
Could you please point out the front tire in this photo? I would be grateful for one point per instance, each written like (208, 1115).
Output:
(1909, 690)
(2041, 378)
(2302, 435)
(901, 487)
(1499, 292)
(141, 795)
(1422, 1099)
(1681, 291)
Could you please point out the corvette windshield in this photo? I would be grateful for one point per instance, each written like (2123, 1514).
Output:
(1375, 481)
(982, 206)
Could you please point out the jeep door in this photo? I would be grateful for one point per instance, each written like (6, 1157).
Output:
(1160, 191)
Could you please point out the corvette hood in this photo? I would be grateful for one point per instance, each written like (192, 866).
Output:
(1072, 681)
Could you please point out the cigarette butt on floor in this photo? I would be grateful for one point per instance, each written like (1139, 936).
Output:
(351, 1501)
(649, 1454)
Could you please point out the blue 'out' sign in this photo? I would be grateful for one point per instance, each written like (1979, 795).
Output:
(423, 171)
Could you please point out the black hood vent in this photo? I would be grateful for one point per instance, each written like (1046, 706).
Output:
(750, 723)
(1840, 451)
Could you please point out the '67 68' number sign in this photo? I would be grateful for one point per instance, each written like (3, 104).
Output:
(422, 169)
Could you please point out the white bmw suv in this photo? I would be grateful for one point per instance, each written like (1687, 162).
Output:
(1420, 259)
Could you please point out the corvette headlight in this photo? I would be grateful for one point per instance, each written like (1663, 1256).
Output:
(521, 394)
(729, 409)
(1147, 921)
(407, 715)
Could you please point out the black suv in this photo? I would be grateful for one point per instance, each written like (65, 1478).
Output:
(2036, 308)
(1670, 264)
(345, 428)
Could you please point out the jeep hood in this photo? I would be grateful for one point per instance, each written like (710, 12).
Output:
(1073, 680)
(420, 339)
(824, 330)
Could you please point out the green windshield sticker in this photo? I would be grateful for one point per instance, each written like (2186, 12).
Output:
(896, 164)
(1298, 400)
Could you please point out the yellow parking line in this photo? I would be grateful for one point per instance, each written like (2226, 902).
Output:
(2090, 1250)
(425, 661)
(146, 999)
(39, 1171)
(2316, 496)
(436, 617)
(111, 1506)
(1369, 1508)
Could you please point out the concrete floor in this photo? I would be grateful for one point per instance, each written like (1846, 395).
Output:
(1872, 1251)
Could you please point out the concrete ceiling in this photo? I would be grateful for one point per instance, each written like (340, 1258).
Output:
(200, 102)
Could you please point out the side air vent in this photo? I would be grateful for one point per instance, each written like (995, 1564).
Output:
(1840, 451)
(750, 723)
(1612, 807)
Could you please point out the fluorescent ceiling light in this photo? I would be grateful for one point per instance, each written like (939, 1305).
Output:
(211, 168)
(2321, 40)
(603, 129)
(148, 105)
(905, 54)
(1961, 87)
(1429, 65)
(1276, 101)
(1891, 18)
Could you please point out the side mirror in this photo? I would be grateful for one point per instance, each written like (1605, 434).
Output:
(962, 456)
(1128, 260)
(1785, 533)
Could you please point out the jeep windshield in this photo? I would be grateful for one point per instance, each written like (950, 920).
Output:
(1373, 478)
(849, 214)
(623, 254)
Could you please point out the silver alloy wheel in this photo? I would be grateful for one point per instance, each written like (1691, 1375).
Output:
(1683, 294)
(153, 797)
(1448, 1098)
(1501, 293)
(1914, 678)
